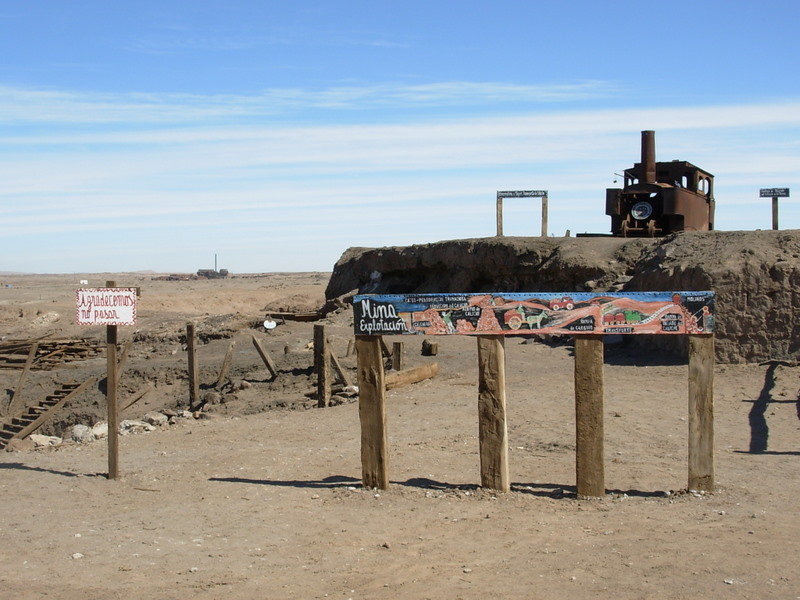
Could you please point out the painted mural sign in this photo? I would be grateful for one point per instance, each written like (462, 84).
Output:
(623, 313)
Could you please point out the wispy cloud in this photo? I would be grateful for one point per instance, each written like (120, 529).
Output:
(52, 106)
(180, 181)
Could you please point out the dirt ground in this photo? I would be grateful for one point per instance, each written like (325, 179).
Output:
(261, 497)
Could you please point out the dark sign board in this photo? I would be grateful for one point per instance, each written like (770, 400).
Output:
(774, 192)
(571, 313)
(523, 194)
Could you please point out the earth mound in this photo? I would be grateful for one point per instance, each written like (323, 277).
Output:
(756, 275)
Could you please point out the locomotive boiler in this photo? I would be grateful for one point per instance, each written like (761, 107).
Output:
(659, 198)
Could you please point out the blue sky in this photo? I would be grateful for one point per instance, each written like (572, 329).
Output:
(154, 135)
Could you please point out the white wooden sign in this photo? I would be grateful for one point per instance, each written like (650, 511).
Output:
(106, 306)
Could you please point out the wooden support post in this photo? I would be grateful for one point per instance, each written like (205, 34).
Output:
(701, 412)
(775, 214)
(226, 365)
(492, 427)
(372, 413)
(350, 347)
(397, 356)
(589, 468)
(266, 358)
(194, 373)
(544, 216)
(14, 402)
(499, 216)
(321, 367)
(112, 371)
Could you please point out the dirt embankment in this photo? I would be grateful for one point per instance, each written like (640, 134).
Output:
(756, 275)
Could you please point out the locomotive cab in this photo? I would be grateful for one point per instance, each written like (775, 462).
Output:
(659, 198)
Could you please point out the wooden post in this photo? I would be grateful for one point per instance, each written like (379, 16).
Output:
(226, 365)
(321, 367)
(775, 213)
(499, 216)
(111, 397)
(14, 402)
(492, 428)
(372, 413)
(266, 358)
(350, 347)
(701, 412)
(397, 356)
(194, 373)
(589, 468)
(544, 216)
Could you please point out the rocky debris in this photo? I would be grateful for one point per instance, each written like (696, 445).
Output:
(83, 434)
(44, 441)
(756, 275)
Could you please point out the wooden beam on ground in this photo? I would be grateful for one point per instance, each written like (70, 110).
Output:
(226, 365)
(321, 367)
(372, 413)
(492, 427)
(415, 375)
(194, 372)
(589, 467)
(701, 412)
(14, 401)
(340, 373)
(266, 358)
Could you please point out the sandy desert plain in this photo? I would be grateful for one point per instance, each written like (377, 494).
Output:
(261, 497)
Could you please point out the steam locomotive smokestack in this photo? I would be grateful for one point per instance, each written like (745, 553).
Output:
(649, 156)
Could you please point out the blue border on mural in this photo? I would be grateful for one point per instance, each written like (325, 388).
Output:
(535, 313)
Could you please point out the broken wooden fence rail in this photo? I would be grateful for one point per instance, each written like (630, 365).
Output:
(489, 316)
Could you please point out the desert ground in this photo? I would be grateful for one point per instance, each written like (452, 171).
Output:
(259, 495)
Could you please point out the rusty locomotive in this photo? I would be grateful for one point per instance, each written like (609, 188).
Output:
(659, 198)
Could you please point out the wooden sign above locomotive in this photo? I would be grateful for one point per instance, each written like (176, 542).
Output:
(659, 198)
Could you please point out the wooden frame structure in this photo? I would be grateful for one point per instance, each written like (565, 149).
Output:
(521, 194)
(401, 314)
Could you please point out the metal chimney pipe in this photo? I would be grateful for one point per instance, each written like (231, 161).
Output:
(649, 156)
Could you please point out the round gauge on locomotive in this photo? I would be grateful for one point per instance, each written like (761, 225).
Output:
(641, 211)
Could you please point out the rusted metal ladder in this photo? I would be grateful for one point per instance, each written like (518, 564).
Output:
(25, 424)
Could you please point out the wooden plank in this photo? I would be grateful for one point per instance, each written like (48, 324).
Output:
(414, 375)
(265, 357)
(194, 372)
(340, 373)
(372, 413)
(226, 365)
(321, 367)
(123, 359)
(701, 412)
(492, 427)
(589, 467)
